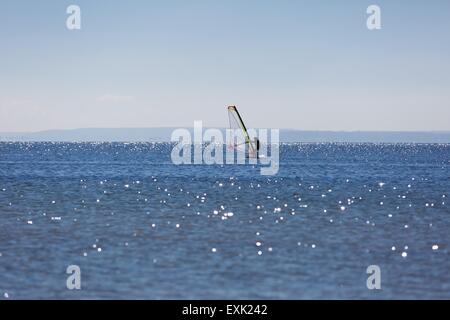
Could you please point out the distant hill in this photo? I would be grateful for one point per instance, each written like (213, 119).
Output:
(163, 135)
(93, 134)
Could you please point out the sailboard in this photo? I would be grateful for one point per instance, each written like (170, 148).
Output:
(236, 123)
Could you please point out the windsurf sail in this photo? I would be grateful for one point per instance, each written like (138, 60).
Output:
(236, 123)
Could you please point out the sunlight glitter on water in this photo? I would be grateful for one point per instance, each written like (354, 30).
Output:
(326, 202)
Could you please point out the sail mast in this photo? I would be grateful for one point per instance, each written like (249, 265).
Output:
(233, 112)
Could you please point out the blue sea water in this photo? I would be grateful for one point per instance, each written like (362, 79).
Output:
(140, 227)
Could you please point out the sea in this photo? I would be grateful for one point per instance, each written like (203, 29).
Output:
(121, 221)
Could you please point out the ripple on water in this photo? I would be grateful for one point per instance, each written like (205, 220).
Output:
(335, 198)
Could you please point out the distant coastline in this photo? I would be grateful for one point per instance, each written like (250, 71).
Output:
(163, 135)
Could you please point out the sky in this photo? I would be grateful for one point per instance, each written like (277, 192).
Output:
(309, 65)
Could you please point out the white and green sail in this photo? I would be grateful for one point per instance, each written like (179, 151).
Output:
(236, 123)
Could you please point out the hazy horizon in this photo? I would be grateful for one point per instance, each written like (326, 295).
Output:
(221, 127)
(163, 134)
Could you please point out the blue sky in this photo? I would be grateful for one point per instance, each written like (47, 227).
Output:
(309, 65)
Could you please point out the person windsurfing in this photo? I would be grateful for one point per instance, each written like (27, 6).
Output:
(237, 123)
(257, 147)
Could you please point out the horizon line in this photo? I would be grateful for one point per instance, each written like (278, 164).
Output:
(187, 127)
